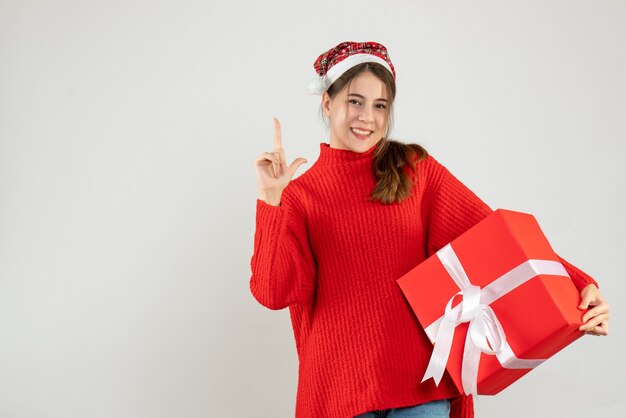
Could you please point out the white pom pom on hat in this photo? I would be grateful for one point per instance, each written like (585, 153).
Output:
(333, 63)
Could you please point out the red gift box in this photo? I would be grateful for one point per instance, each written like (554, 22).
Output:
(495, 302)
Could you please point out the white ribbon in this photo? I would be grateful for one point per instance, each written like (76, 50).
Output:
(485, 333)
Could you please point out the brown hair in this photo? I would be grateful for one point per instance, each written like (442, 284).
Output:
(391, 158)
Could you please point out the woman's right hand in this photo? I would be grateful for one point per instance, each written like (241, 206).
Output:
(272, 173)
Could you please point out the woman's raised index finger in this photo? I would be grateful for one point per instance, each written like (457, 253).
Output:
(277, 138)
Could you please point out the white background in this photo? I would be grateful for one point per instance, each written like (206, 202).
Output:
(127, 193)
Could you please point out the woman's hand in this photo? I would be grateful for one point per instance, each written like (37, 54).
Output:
(596, 320)
(272, 172)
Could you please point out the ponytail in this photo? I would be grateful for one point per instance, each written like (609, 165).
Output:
(389, 167)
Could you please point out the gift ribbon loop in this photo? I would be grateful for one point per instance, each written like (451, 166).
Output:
(485, 332)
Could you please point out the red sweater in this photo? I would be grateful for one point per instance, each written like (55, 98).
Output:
(333, 258)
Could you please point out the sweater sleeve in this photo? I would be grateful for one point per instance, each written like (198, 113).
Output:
(579, 277)
(283, 266)
(451, 209)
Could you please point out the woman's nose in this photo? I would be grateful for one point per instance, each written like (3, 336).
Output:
(366, 115)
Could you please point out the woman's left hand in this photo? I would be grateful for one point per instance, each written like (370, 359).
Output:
(596, 320)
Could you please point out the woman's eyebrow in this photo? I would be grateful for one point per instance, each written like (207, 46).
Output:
(360, 96)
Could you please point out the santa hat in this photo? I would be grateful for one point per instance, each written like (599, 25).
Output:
(333, 63)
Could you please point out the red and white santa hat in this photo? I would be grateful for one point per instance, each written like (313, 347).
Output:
(333, 63)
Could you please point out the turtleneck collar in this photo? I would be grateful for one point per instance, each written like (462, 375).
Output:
(330, 155)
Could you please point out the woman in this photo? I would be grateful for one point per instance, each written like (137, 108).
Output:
(331, 243)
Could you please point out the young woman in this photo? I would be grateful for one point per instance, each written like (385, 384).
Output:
(331, 243)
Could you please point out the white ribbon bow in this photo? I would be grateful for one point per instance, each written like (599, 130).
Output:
(485, 333)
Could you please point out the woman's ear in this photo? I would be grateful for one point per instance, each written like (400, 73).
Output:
(326, 104)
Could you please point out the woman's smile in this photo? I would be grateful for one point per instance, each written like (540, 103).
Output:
(361, 133)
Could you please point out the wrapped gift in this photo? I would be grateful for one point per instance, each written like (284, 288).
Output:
(495, 302)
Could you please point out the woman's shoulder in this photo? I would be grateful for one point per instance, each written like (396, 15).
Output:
(429, 173)
(296, 191)
(427, 165)
(303, 180)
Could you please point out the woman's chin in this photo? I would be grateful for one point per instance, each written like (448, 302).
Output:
(360, 145)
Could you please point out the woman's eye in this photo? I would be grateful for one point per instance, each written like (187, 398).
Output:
(381, 106)
(354, 101)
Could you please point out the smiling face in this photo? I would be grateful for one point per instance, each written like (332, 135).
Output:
(358, 113)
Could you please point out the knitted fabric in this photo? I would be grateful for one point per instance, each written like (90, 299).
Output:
(333, 257)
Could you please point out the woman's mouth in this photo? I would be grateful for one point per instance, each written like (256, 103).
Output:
(361, 133)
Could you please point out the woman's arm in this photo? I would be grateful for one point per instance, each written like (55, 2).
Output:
(451, 209)
(283, 266)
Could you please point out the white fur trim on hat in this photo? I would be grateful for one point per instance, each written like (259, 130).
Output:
(320, 84)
